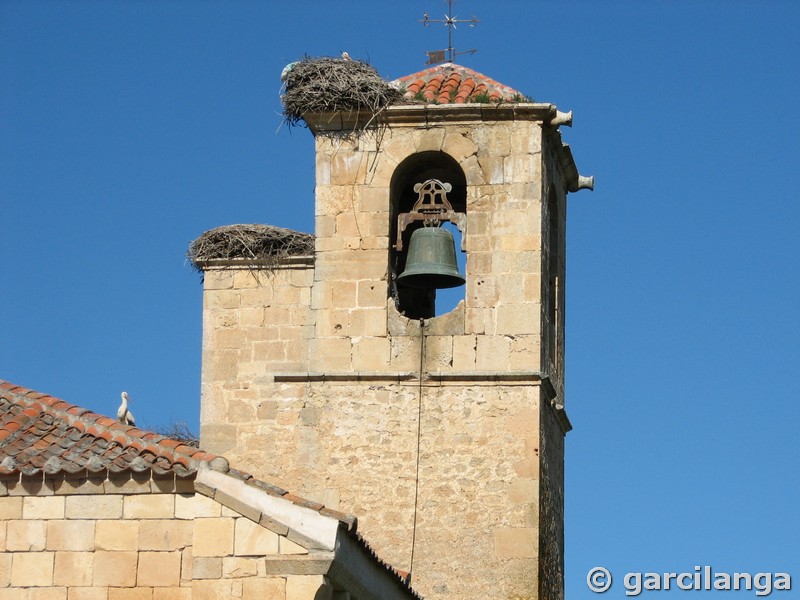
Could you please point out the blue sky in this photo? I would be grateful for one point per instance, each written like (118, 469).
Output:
(129, 128)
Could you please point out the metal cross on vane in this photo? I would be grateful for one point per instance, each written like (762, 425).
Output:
(448, 54)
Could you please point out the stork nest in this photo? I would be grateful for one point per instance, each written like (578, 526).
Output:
(335, 85)
(263, 243)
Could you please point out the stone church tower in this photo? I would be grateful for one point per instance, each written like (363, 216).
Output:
(444, 433)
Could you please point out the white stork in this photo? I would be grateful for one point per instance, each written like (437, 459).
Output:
(123, 414)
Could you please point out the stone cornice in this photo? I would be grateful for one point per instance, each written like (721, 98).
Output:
(416, 115)
(288, 262)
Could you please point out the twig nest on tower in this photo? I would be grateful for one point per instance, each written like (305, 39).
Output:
(263, 243)
(315, 85)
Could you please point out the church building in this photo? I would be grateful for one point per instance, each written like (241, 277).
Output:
(404, 364)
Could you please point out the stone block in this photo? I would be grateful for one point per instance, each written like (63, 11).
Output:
(464, 352)
(10, 508)
(116, 535)
(405, 353)
(116, 569)
(231, 338)
(351, 265)
(479, 265)
(273, 351)
(218, 279)
(159, 569)
(195, 505)
(526, 139)
(264, 588)
(333, 199)
(519, 168)
(398, 148)
(371, 353)
(348, 225)
(106, 506)
(86, 593)
(73, 569)
(523, 490)
(525, 353)
(186, 564)
(5, 569)
(32, 569)
(151, 506)
(343, 294)
(249, 278)
(516, 263)
(181, 593)
(459, 146)
(493, 353)
(137, 593)
(53, 593)
(235, 567)
(373, 199)
(251, 539)
(473, 171)
(43, 507)
(332, 322)
(369, 322)
(377, 228)
(429, 139)
(330, 354)
(220, 365)
(221, 299)
(213, 537)
(492, 167)
(520, 243)
(26, 536)
(214, 589)
(476, 319)
(218, 438)
(518, 319)
(168, 534)
(308, 587)
(74, 535)
(438, 353)
(207, 567)
(516, 542)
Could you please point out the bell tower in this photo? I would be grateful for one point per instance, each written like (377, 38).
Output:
(333, 375)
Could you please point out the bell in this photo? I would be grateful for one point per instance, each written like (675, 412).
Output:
(431, 260)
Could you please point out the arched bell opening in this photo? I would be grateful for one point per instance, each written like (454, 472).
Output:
(428, 190)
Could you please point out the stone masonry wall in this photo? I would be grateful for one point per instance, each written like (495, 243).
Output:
(339, 422)
(145, 546)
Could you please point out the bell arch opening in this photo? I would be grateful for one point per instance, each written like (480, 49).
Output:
(417, 302)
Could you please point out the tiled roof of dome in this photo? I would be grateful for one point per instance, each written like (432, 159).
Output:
(449, 83)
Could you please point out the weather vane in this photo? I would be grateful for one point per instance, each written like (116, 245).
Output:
(449, 54)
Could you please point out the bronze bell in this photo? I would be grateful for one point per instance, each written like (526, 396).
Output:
(431, 260)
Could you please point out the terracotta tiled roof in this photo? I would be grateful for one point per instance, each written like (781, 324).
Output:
(453, 84)
(41, 433)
